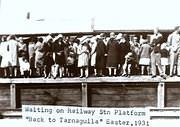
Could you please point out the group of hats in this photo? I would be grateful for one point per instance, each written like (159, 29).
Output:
(48, 37)
(119, 36)
(90, 38)
(86, 38)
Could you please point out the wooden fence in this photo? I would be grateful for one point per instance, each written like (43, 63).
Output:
(136, 91)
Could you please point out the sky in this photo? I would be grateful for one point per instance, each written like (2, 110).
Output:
(107, 14)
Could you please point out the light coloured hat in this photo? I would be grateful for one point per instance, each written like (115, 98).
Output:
(101, 35)
(20, 39)
(3, 38)
(130, 54)
(60, 36)
(82, 38)
(57, 37)
(98, 36)
(11, 37)
(163, 46)
(119, 36)
(135, 38)
(93, 39)
(112, 35)
(48, 38)
(84, 41)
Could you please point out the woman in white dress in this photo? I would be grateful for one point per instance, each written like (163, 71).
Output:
(83, 58)
(13, 55)
(4, 56)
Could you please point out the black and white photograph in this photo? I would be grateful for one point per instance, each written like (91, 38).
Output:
(89, 63)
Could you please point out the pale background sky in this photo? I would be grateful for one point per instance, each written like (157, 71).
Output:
(76, 15)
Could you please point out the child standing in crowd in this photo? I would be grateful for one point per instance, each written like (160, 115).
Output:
(84, 56)
(24, 65)
(164, 56)
(22, 56)
(144, 55)
(70, 61)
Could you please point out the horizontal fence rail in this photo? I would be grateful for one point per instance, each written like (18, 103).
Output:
(85, 85)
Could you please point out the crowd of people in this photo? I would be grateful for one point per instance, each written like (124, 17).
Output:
(90, 55)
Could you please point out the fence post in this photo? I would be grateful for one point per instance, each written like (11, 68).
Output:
(161, 95)
(84, 94)
(14, 96)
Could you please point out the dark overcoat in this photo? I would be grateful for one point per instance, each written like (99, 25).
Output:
(112, 53)
(100, 54)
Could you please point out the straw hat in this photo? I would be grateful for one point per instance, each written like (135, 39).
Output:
(119, 36)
